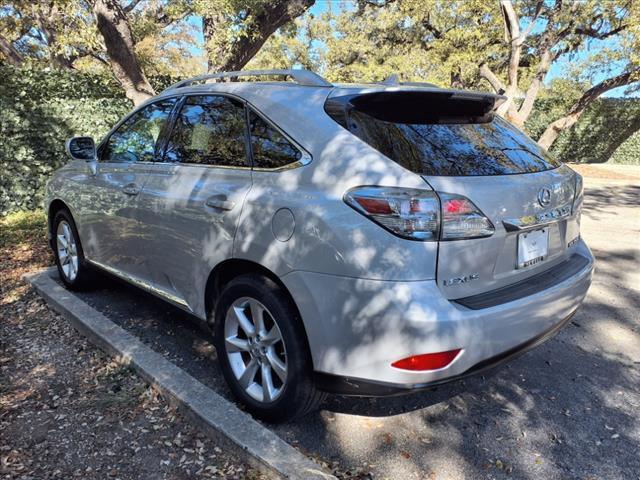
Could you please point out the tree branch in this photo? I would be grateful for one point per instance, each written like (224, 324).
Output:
(593, 33)
(236, 55)
(165, 20)
(133, 4)
(512, 31)
(486, 73)
(555, 128)
(9, 51)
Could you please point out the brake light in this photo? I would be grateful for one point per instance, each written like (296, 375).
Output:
(427, 361)
(461, 219)
(406, 212)
(416, 214)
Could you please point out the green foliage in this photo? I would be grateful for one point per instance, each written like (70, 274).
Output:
(21, 227)
(40, 110)
(609, 130)
(435, 41)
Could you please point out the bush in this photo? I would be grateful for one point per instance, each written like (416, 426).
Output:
(40, 109)
(609, 130)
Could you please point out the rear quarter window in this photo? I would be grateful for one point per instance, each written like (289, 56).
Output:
(470, 149)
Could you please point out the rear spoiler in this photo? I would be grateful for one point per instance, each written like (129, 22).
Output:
(414, 106)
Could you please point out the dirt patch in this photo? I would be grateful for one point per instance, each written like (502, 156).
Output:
(607, 172)
(67, 410)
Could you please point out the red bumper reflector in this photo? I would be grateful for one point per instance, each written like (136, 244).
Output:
(427, 361)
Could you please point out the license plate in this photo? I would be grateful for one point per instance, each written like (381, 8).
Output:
(533, 247)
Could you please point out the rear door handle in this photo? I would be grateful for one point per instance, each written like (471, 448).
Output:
(131, 189)
(220, 203)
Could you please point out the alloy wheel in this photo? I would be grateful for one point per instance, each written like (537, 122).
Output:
(255, 349)
(67, 250)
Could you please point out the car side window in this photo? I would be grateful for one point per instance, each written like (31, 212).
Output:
(209, 130)
(269, 147)
(135, 140)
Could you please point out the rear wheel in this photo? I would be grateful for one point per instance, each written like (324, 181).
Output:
(69, 256)
(262, 350)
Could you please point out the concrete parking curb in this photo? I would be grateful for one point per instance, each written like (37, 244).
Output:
(218, 417)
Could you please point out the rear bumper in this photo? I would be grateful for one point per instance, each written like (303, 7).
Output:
(370, 388)
(357, 328)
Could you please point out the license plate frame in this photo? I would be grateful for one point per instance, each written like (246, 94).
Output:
(533, 247)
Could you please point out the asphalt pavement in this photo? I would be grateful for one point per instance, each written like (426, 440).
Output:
(568, 409)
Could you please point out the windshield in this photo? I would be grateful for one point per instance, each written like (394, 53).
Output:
(473, 149)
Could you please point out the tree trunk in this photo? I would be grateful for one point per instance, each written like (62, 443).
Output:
(557, 127)
(10, 53)
(114, 28)
(512, 35)
(532, 92)
(235, 55)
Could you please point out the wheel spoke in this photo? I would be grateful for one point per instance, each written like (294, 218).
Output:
(67, 232)
(272, 337)
(257, 315)
(249, 374)
(235, 344)
(277, 365)
(62, 241)
(244, 322)
(268, 390)
(64, 257)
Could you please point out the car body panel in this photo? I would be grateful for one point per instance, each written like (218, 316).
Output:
(185, 238)
(110, 217)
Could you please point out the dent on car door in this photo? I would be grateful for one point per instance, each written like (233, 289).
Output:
(193, 199)
(126, 158)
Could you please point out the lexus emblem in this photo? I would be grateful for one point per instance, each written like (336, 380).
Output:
(544, 197)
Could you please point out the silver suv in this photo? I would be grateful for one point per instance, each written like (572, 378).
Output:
(357, 239)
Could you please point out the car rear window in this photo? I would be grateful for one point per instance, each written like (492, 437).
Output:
(452, 149)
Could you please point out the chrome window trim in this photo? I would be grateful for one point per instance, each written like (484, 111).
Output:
(304, 160)
(133, 112)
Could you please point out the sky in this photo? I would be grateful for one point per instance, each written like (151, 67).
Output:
(558, 68)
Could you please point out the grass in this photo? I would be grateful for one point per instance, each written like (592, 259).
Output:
(21, 228)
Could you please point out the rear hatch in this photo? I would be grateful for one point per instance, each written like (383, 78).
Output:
(454, 141)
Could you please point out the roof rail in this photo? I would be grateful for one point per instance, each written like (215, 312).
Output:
(301, 77)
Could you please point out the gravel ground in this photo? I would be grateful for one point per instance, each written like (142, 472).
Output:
(66, 410)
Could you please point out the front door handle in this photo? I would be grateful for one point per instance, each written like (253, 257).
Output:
(131, 189)
(220, 202)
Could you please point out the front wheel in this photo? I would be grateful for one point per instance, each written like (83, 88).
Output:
(68, 252)
(262, 350)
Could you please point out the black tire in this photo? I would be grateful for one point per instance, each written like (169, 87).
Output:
(83, 279)
(299, 394)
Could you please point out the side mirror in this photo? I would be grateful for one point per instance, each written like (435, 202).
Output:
(81, 148)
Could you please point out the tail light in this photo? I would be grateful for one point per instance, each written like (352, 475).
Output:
(462, 219)
(408, 213)
(420, 214)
